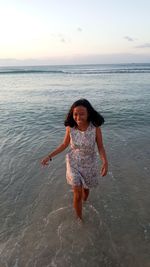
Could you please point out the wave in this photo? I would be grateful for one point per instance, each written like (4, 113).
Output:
(88, 69)
(28, 71)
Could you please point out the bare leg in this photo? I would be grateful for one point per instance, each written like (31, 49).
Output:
(85, 193)
(77, 200)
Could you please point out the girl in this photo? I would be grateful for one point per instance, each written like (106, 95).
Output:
(82, 133)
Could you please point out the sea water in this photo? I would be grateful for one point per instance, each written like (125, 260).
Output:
(38, 226)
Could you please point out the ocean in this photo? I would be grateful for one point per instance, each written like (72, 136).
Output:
(38, 227)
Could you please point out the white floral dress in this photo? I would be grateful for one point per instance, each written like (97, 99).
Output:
(81, 161)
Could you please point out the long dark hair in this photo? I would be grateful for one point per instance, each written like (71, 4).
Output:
(93, 116)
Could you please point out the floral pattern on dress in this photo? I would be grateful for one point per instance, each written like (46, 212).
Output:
(81, 161)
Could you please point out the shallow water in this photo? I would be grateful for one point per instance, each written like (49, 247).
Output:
(37, 223)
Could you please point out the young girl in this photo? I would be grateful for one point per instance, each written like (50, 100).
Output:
(82, 133)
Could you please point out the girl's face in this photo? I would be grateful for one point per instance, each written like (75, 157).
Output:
(80, 115)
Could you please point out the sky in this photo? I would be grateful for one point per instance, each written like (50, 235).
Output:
(34, 32)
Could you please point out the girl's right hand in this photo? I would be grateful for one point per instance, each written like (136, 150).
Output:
(104, 168)
(45, 161)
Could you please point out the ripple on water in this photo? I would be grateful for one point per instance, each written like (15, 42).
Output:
(60, 240)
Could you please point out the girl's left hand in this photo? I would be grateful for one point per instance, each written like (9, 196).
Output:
(104, 169)
(45, 161)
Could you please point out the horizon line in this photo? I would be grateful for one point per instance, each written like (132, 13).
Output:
(76, 64)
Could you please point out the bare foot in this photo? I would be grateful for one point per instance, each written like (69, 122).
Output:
(80, 221)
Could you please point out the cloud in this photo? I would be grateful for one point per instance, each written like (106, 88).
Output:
(79, 29)
(60, 37)
(63, 40)
(146, 45)
(130, 39)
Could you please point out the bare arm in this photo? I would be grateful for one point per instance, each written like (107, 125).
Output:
(102, 153)
(60, 148)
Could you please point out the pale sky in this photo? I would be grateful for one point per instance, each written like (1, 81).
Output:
(74, 31)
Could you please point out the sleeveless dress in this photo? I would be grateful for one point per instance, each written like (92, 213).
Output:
(81, 161)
